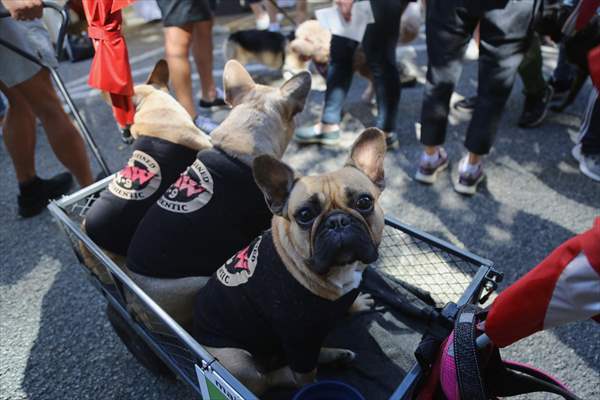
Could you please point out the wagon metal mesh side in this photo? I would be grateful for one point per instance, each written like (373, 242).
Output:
(448, 274)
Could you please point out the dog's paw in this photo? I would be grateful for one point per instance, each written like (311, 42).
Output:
(364, 302)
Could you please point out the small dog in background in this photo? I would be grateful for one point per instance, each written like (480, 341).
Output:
(309, 42)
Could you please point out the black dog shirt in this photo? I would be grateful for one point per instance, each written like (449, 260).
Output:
(154, 165)
(252, 302)
(214, 209)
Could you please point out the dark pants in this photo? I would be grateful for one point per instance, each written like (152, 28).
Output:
(589, 135)
(505, 27)
(379, 45)
(530, 70)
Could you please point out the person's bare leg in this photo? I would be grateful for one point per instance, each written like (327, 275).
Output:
(19, 134)
(474, 158)
(301, 11)
(202, 49)
(272, 10)
(431, 150)
(62, 135)
(177, 49)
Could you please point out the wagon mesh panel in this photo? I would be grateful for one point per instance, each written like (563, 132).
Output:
(443, 275)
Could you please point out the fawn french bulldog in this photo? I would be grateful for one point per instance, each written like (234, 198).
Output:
(278, 298)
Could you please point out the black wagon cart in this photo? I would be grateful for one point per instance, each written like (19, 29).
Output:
(424, 279)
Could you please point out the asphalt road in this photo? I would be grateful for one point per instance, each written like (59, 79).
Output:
(55, 342)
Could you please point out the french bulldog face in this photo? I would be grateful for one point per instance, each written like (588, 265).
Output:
(158, 114)
(261, 109)
(334, 219)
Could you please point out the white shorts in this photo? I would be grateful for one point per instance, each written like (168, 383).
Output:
(30, 36)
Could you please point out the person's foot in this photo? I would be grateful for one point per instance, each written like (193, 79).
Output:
(561, 88)
(431, 165)
(205, 124)
(467, 104)
(215, 103)
(391, 140)
(469, 177)
(35, 194)
(536, 108)
(407, 80)
(589, 164)
(311, 134)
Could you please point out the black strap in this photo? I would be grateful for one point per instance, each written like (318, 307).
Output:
(468, 371)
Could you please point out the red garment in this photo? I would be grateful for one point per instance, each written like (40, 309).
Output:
(563, 288)
(110, 70)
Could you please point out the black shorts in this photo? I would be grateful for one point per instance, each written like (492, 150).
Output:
(182, 12)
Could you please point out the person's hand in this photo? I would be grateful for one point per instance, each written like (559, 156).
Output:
(24, 10)
(345, 7)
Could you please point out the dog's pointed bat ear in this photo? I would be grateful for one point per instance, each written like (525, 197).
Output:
(276, 180)
(237, 82)
(295, 90)
(160, 75)
(368, 153)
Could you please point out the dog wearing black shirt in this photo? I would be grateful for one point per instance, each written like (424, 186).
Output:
(215, 208)
(280, 296)
(166, 142)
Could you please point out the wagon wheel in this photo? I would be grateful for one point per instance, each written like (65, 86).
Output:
(136, 345)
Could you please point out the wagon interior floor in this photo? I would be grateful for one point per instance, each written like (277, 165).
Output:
(383, 339)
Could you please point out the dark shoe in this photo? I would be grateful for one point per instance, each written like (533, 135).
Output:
(536, 108)
(561, 88)
(428, 171)
(391, 140)
(217, 103)
(466, 105)
(35, 195)
(467, 182)
(407, 80)
(308, 135)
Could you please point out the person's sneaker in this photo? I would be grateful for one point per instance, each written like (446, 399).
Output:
(469, 177)
(35, 194)
(308, 135)
(536, 108)
(391, 140)
(216, 103)
(407, 80)
(205, 124)
(561, 88)
(589, 164)
(467, 104)
(430, 167)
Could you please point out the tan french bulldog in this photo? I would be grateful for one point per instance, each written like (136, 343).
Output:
(279, 297)
(215, 207)
(166, 141)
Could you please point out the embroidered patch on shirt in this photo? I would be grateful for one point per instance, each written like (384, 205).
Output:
(138, 180)
(239, 268)
(192, 190)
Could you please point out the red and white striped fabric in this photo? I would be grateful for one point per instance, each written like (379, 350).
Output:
(563, 288)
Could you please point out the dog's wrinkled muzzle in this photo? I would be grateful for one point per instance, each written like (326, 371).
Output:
(341, 239)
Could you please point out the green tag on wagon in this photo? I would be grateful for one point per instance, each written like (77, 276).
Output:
(213, 387)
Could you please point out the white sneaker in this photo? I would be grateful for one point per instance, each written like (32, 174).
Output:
(589, 165)
(472, 52)
(262, 22)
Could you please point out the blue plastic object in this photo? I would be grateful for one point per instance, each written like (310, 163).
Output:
(328, 390)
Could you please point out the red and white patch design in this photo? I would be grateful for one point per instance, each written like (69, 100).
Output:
(190, 192)
(138, 180)
(239, 268)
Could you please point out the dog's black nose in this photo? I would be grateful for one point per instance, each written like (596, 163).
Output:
(337, 221)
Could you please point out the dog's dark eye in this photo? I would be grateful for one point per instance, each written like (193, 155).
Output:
(305, 216)
(364, 204)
